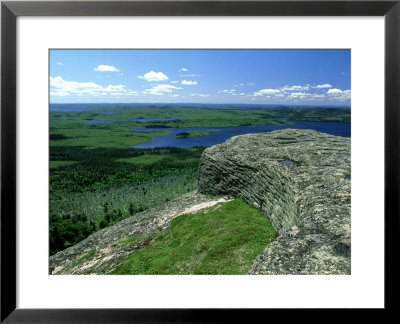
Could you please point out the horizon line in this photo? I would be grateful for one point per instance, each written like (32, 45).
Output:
(192, 103)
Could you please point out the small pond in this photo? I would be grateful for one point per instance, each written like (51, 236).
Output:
(287, 162)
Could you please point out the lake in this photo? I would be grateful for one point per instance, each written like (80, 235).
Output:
(76, 107)
(224, 133)
(140, 120)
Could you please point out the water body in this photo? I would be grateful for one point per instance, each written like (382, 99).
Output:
(140, 120)
(77, 107)
(224, 133)
(287, 162)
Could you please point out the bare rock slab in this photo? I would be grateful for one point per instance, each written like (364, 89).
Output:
(300, 179)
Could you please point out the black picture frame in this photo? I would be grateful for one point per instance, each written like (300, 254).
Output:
(10, 10)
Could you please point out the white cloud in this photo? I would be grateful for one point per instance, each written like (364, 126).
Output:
(161, 89)
(298, 95)
(337, 94)
(174, 81)
(244, 84)
(183, 70)
(117, 87)
(153, 76)
(60, 63)
(199, 95)
(227, 91)
(61, 88)
(187, 82)
(334, 91)
(295, 88)
(106, 68)
(59, 93)
(303, 93)
(72, 86)
(317, 96)
(263, 92)
(322, 86)
(189, 75)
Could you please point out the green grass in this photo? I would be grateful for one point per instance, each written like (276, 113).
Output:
(82, 259)
(100, 136)
(127, 241)
(144, 159)
(224, 240)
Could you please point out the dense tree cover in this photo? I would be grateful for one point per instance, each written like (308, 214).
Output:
(102, 167)
(104, 186)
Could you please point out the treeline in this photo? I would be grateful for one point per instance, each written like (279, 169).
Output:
(99, 168)
(71, 229)
(99, 189)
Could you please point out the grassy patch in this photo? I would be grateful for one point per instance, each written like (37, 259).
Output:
(83, 259)
(103, 136)
(127, 241)
(144, 159)
(224, 240)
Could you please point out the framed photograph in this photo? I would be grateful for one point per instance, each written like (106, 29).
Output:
(177, 160)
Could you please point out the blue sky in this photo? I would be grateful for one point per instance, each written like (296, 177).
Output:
(298, 77)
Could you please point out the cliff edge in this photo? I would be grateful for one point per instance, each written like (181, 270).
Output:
(300, 180)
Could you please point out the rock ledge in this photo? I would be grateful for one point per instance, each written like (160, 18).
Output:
(300, 179)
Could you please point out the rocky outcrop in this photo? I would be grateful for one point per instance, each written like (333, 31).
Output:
(300, 179)
(106, 249)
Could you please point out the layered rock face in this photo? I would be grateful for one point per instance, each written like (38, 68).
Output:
(300, 179)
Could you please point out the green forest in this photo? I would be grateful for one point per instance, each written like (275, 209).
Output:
(98, 179)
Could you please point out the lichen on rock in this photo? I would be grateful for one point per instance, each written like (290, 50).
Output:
(300, 180)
